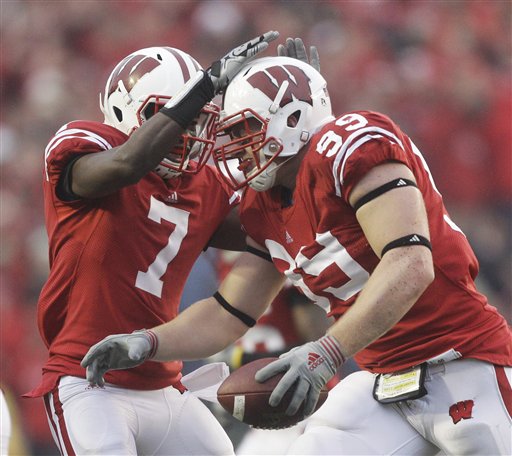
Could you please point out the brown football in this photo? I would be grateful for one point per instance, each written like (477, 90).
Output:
(247, 400)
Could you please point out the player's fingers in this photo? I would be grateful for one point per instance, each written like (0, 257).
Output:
(281, 51)
(290, 47)
(86, 360)
(311, 401)
(94, 373)
(99, 350)
(279, 365)
(314, 58)
(299, 393)
(300, 50)
(269, 36)
(259, 40)
(257, 49)
(282, 387)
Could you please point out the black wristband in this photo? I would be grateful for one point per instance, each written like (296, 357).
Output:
(185, 107)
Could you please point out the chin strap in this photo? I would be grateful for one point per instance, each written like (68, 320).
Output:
(267, 178)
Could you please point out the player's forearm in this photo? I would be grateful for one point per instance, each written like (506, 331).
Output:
(393, 288)
(96, 175)
(148, 145)
(202, 330)
(208, 327)
(157, 136)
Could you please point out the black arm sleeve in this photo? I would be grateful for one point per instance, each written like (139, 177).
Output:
(63, 190)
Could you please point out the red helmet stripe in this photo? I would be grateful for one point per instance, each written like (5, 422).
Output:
(269, 81)
(183, 65)
(131, 69)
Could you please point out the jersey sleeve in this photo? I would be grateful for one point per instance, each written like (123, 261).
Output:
(70, 141)
(377, 141)
(373, 153)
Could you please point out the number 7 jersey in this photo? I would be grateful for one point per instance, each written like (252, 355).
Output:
(316, 241)
(120, 262)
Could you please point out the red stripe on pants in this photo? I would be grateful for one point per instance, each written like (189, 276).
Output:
(62, 424)
(50, 420)
(504, 387)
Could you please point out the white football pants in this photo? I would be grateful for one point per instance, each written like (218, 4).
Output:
(5, 425)
(119, 421)
(467, 411)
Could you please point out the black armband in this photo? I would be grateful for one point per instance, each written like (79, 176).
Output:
(184, 107)
(396, 183)
(63, 190)
(259, 253)
(410, 239)
(243, 317)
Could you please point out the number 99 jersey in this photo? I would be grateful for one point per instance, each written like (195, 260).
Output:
(317, 242)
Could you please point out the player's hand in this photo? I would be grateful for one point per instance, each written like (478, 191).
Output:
(294, 48)
(119, 351)
(222, 71)
(307, 367)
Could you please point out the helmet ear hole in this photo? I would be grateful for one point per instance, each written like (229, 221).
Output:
(293, 119)
(118, 113)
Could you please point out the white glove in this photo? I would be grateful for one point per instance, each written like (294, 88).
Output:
(119, 351)
(222, 71)
(307, 368)
(294, 48)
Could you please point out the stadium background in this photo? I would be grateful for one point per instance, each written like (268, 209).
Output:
(441, 69)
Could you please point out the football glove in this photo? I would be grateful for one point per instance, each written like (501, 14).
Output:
(294, 48)
(307, 368)
(119, 351)
(222, 71)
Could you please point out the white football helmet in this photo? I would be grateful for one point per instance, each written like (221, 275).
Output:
(144, 82)
(270, 109)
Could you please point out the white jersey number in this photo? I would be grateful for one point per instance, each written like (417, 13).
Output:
(331, 144)
(332, 253)
(150, 280)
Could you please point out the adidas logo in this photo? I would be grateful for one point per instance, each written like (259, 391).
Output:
(400, 183)
(314, 360)
(414, 239)
(288, 238)
(172, 198)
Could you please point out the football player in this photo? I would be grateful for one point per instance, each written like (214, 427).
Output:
(129, 205)
(347, 209)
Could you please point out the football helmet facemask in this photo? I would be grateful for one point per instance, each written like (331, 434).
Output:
(270, 109)
(141, 84)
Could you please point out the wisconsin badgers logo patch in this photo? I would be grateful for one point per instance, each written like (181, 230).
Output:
(462, 410)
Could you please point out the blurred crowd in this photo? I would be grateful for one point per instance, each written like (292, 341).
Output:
(440, 69)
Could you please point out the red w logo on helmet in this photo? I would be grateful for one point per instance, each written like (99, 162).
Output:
(270, 80)
(130, 70)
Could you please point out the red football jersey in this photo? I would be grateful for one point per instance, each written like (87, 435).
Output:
(119, 263)
(318, 244)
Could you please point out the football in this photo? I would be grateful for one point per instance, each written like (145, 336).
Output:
(247, 400)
